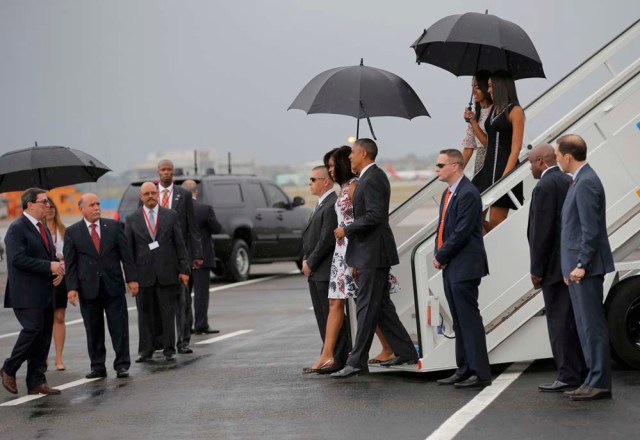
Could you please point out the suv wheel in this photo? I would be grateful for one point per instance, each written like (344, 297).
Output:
(239, 262)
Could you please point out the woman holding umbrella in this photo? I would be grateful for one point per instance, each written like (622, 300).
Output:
(505, 132)
(475, 138)
(57, 228)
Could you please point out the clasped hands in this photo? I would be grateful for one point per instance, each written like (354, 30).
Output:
(437, 264)
(576, 275)
(57, 269)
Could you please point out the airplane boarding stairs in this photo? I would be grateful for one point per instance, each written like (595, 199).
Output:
(513, 312)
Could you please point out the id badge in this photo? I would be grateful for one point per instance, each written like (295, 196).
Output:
(154, 245)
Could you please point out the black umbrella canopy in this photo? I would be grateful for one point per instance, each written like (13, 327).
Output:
(466, 43)
(47, 168)
(359, 91)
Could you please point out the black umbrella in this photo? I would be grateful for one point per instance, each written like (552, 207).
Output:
(466, 43)
(362, 92)
(47, 168)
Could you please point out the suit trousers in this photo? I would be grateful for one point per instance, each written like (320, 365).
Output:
(157, 310)
(471, 343)
(563, 335)
(200, 280)
(32, 345)
(184, 316)
(319, 291)
(593, 329)
(93, 311)
(374, 307)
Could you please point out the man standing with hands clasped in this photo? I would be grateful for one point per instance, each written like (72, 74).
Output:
(94, 248)
(162, 263)
(586, 258)
(460, 253)
(543, 233)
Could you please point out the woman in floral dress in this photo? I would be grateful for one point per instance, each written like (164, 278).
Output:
(342, 284)
(475, 138)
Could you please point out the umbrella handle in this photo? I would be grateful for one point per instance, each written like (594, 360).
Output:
(371, 129)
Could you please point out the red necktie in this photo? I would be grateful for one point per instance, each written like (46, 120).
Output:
(444, 213)
(95, 237)
(165, 198)
(43, 235)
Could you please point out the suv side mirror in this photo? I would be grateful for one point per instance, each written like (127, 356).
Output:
(297, 201)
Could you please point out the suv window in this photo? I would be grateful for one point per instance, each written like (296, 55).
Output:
(256, 195)
(224, 194)
(275, 197)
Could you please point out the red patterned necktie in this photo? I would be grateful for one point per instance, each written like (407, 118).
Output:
(165, 198)
(43, 235)
(444, 213)
(95, 237)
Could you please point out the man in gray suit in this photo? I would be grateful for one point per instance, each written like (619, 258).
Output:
(585, 257)
(318, 244)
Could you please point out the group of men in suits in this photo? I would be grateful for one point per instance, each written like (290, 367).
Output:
(570, 254)
(151, 250)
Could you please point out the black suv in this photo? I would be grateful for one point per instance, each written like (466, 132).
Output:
(260, 224)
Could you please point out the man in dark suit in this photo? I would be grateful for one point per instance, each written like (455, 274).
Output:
(371, 252)
(94, 248)
(33, 271)
(207, 224)
(459, 252)
(585, 259)
(543, 233)
(162, 264)
(174, 197)
(318, 244)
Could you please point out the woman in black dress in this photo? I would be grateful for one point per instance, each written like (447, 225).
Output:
(505, 132)
(57, 228)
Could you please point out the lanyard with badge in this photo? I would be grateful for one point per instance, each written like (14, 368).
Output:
(152, 230)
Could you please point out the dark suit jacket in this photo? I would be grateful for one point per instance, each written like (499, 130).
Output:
(584, 236)
(318, 241)
(84, 266)
(207, 224)
(164, 264)
(29, 280)
(463, 250)
(543, 230)
(371, 242)
(182, 203)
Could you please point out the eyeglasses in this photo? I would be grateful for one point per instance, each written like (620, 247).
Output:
(442, 165)
(313, 179)
(44, 202)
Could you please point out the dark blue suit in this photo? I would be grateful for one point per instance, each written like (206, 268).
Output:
(465, 260)
(584, 241)
(30, 293)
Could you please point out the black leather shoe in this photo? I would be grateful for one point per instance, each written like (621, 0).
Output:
(207, 331)
(96, 374)
(170, 357)
(121, 373)
(185, 350)
(451, 380)
(473, 382)
(349, 371)
(556, 386)
(143, 358)
(397, 360)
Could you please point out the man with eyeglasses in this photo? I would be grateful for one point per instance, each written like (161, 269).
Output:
(459, 252)
(33, 272)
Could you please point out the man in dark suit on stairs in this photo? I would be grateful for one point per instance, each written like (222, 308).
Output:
(543, 233)
(94, 249)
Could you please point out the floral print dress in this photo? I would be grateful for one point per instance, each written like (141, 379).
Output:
(342, 284)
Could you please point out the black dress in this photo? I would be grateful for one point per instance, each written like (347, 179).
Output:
(499, 134)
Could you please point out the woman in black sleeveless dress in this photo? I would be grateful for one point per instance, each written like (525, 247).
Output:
(505, 131)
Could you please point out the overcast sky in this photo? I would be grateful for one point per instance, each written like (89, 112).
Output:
(119, 79)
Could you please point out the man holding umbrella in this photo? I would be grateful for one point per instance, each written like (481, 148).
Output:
(33, 272)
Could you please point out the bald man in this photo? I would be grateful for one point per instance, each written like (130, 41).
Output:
(543, 234)
(95, 252)
(163, 263)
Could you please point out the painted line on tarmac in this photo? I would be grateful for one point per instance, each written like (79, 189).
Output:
(461, 418)
(62, 387)
(223, 337)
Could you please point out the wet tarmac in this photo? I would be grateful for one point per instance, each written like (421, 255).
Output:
(250, 385)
